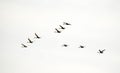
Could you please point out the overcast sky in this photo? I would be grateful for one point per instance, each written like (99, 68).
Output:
(95, 24)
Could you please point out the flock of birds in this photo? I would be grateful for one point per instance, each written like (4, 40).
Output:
(30, 41)
(58, 31)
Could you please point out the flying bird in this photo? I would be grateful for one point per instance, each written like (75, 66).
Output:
(101, 51)
(66, 23)
(24, 45)
(62, 27)
(65, 45)
(57, 30)
(37, 36)
(81, 46)
(30, 40)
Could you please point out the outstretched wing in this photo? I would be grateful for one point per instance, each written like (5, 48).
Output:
(28, 39)
(36, 34)
(103, 50)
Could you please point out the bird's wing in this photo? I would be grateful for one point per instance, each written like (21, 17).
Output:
(103, 50)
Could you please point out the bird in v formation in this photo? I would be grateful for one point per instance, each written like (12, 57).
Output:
(62, 27)
(65, 45)
(37, 36)
(24, 46)
(29, 40)
(58, 31)
(65, 23)
(81, 46)
(101, 51)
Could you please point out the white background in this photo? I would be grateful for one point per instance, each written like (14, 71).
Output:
(95, 24)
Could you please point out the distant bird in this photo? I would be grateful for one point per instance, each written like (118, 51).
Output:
(24, 45)
(65, 45)
(81, 46)
(37, 36)
(30, 40)
(101, 51)
(57, 30)
(62, 27)
(66, 23)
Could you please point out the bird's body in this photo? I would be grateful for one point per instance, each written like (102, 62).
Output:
(62, 27)
(66, 23)
(65, 45)
(37, 36)
(24, 45)
(101, 51)
(81, 46)
(57, 30)
(30, 41)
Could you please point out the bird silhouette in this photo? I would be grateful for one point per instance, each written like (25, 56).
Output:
(65, 45)
(30, 40)
(101, 51)
(66, 23)
(57, 30)
(37, 36)
(62, 27)
(81, 46)
(24, 45)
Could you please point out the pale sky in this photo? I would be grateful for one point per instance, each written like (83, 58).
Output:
(95, 24)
